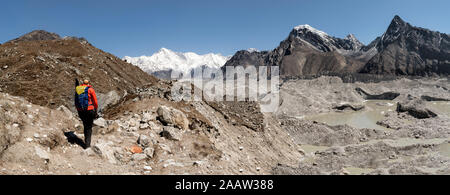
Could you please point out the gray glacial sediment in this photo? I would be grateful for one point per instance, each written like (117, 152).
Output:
(414, 138)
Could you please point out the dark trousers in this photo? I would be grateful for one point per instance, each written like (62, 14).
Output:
(88, 120)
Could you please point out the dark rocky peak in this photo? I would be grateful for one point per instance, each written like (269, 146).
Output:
(397, 21)
(42, 35)
(414, 38)
(37, 35)
(245, 58)
(395, 30)
(408, 50)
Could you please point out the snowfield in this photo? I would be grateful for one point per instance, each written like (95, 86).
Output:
(307, 27)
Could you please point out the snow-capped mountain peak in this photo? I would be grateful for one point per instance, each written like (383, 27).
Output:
(351, 37)
(308, 28)
(251, 50)
(168, 60)
(354, 42)
(321, 41)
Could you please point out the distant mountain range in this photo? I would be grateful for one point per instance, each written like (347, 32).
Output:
(401, 50)
(162, 63)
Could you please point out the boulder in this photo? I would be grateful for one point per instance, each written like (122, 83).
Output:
(150, 151)
(42, 154)
(165, 148)
(172, 162)
(136, 150)
(415, 107)
(66, 111)
(121, 156)
(108, 99)
(133, 122)
(144, 141)
(171, 116)
(144, 126)
(132, 129)
(171, 133)
(146, 117)
(147, 168)
(104, 150)
(101, 122)
(153, 126)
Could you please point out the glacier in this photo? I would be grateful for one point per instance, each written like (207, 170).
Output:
(168, 60)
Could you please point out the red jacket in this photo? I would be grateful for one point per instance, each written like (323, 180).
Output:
(93, 104)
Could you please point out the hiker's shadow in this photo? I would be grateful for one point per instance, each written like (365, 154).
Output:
(74, 139)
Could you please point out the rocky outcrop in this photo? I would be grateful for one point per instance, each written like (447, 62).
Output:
(105, 150)
(383, 96)
(415, 107)
(171, 116)
(108, 99)
(28, 132)
(17, 118)
(101, 122)
(171, 133)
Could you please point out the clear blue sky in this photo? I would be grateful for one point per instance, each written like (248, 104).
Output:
(137, 28)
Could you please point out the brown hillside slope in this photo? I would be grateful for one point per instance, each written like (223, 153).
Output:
(43, 70)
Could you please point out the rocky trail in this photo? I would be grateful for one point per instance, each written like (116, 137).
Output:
(146, 135)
